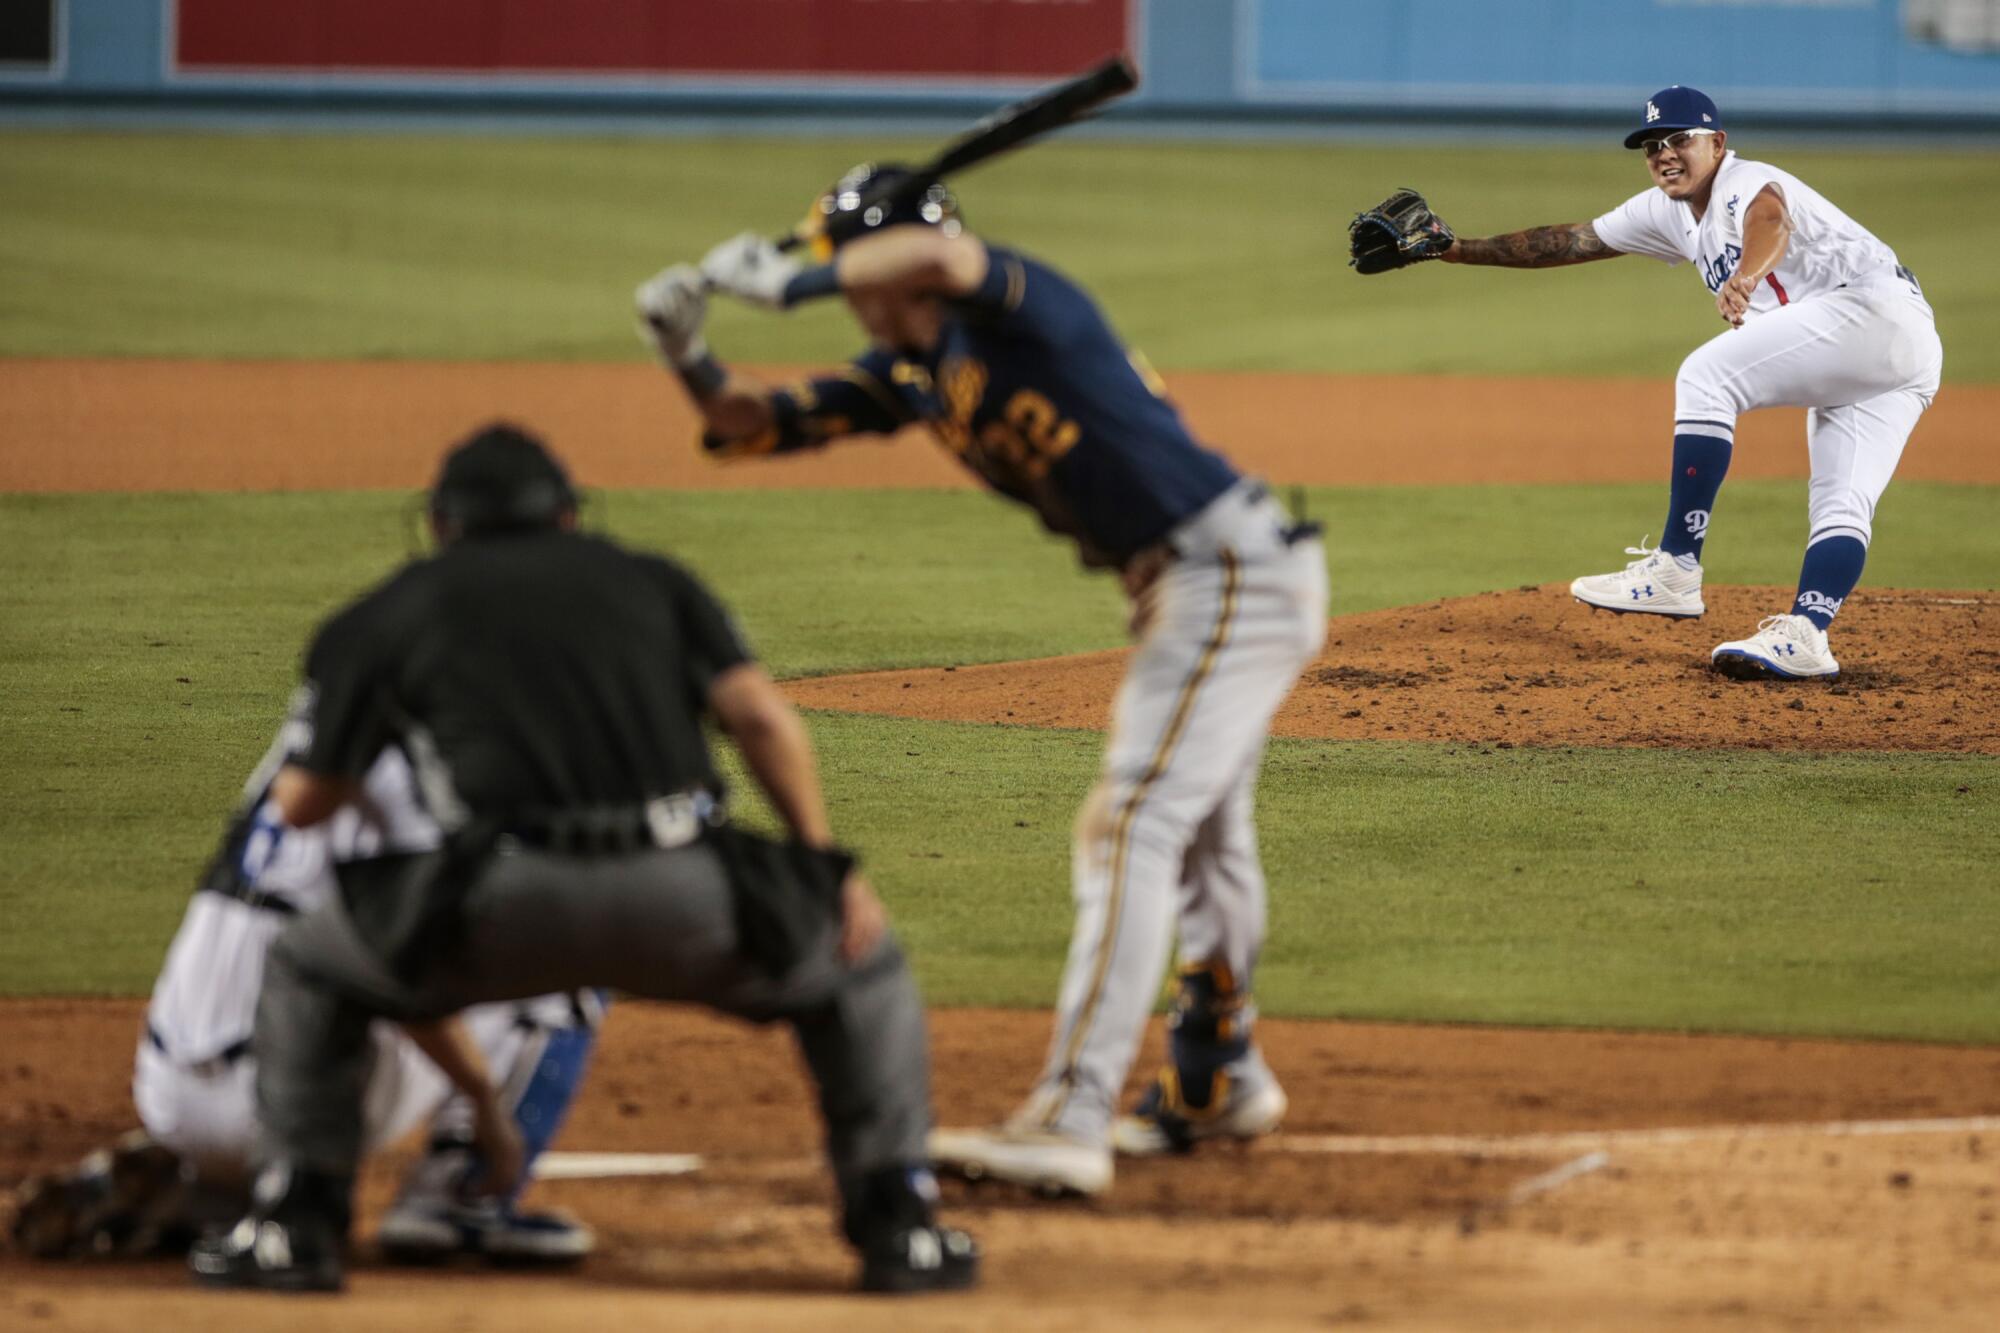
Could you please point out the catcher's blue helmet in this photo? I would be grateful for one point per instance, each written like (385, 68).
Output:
(838, 215)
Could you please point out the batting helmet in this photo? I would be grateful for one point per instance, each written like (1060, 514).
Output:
(500, 479)
(838, 216)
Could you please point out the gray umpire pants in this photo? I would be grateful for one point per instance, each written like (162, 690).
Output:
(657, 924)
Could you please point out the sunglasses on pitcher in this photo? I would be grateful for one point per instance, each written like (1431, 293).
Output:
(1676, 141)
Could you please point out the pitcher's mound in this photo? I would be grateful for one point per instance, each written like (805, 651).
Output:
(1919, 671)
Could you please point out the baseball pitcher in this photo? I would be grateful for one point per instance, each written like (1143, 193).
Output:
(1821, 315)
(195, 1076)
(1017, 373)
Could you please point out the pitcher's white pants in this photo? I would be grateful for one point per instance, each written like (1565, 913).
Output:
(1865, 359)
(1168, 831)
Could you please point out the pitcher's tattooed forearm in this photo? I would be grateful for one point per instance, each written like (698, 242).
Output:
(1538, 247)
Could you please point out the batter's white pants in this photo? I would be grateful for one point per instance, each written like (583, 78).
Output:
(1865, 359)
(208, 1113)
(1167, 834)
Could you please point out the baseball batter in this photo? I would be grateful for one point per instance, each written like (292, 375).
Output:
(195, 1076)
(1017, 373)
(1821, 315)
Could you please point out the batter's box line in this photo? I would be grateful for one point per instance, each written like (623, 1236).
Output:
(610, 1165)
(1516, 1145)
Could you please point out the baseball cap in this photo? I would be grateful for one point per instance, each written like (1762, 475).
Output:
(1675, 108)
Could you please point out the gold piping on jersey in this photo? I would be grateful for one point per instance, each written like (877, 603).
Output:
(1017, 284)
(1121, 836)
(875, 389)
(1144, 370)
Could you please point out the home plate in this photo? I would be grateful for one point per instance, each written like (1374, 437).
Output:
(604, 1165)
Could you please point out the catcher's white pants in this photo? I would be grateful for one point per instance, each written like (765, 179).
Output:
(208, 1113)
(1865, 359)
(1167, 834)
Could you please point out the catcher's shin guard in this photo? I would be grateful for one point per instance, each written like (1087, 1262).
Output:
(1208, 1029)
(1198, 1095)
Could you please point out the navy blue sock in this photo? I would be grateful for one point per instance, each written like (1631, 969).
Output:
(1832, 567)
(1700, 464)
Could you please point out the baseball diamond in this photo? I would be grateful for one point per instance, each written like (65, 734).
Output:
(1440, 672)
(1034, 748)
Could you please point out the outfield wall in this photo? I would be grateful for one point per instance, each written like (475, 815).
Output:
(1912, 63)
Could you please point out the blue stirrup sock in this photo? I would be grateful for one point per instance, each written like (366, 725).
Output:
(1700, 464)
(1831, 569)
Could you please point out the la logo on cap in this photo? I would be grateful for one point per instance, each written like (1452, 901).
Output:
(1653, 113)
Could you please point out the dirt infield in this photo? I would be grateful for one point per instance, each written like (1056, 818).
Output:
(1532, 666)
(303, 425)
(1428, 1178)
(1761, 1215)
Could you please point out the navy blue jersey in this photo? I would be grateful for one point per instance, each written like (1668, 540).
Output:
(1029, 387)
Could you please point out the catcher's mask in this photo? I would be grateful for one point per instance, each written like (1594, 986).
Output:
(837, 216)
(500, 479)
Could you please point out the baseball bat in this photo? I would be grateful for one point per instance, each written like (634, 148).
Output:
(1006, 128)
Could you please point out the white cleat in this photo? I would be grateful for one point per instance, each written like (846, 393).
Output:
(1654, 583)
(1783, 648)
(1052, 1164)
(1162, 1123)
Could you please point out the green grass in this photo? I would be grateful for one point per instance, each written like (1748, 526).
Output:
(1209, 255)
(147, 644)
(1456, 883)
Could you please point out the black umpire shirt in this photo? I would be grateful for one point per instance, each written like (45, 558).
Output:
(534, 671)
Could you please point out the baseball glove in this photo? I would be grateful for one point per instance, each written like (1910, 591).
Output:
(1398, 232)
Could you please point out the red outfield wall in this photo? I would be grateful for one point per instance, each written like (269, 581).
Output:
(979, 38)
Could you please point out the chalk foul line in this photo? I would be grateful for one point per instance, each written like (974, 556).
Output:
(1505, 1145)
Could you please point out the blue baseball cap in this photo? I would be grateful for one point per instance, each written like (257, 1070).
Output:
(1675, 108)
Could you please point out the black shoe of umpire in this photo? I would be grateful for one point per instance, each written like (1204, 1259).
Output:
(891, 1219)
(292, 1240)
(926, 1258)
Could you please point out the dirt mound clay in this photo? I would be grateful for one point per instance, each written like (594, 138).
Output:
(1427, 1178)
(1535, 667)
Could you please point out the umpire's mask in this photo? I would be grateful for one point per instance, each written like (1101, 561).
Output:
(500, 480)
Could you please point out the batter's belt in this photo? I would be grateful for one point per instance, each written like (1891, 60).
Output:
(1244, 519)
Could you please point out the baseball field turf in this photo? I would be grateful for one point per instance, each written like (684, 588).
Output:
(147, 641)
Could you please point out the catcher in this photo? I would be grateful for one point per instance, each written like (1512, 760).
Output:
(194, 1081)
(1820, 314)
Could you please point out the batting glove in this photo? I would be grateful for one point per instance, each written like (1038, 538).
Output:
(750, 268)
(672, 304)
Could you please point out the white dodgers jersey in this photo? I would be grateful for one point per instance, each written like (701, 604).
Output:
(1828, 249)
(205, 1000)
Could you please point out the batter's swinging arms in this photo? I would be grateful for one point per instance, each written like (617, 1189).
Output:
(1821, 316)
(1017, 373)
